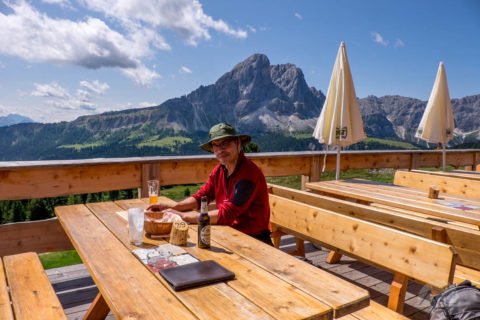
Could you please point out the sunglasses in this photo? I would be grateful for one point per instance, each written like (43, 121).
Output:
(221, 145)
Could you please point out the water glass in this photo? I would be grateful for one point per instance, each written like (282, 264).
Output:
(153, 186)
(135, 225)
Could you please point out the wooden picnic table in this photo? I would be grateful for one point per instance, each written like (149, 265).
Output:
(412, 200)
(268, 284)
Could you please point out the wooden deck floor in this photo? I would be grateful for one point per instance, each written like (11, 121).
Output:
(76, 289)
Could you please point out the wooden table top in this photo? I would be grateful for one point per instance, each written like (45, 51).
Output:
(269, 284)
(445, 207)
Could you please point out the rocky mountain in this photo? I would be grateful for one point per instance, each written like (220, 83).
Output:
(399, 117)
(272, 102)
(13, 118)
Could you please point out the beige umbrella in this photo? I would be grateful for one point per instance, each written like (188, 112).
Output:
(437, 123)
(340, 122)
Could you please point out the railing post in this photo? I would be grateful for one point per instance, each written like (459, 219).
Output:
(315, 172)
(150, 171)
(413, 161)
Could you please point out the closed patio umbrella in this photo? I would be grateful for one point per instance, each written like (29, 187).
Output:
(340, 123)
(437, 123)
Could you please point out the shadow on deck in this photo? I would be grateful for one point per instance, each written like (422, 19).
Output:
(76, 289)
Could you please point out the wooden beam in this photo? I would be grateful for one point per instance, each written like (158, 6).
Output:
(36, 236)
(52, 182)
(334, 257)
(40, 179)
(98, 309)
(398, 289)
(5, 306)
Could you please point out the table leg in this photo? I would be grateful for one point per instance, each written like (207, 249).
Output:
(99, 309)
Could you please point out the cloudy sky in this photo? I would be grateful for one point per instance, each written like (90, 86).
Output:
(60, 59)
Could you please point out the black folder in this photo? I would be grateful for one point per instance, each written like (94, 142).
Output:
(196, 274)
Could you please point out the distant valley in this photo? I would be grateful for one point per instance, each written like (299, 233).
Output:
(273, 103)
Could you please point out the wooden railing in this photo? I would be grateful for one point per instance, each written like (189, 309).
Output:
(41, 179)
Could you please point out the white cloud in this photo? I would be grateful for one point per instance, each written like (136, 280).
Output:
(95, 86)
(377, 37)
(141, 75)
(84, 95)
(399, 44)
(298, 16)
(92, 43)
(3, 110)
(252, 29)
(58, 97)
(61, 2)
(35, 37)
(183, 16)
(185, 70)
(51, 90)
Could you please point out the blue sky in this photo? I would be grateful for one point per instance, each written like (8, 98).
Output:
(60, 59)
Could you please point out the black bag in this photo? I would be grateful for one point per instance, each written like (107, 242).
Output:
(461, 302)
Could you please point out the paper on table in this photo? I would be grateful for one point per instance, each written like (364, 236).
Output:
(180, 256)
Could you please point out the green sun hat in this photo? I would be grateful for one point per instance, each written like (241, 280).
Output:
(223, 130)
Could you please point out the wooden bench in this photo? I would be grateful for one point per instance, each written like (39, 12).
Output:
(463, 273)
(469, 175)
(25, 291)
(464, 240)
(374, 311)
(463, 187)
(406, 255)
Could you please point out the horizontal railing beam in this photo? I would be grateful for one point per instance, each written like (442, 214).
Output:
(41, 179)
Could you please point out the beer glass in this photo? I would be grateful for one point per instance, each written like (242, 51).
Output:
(153, 191)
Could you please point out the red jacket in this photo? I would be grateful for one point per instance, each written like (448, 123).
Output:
(242, 198)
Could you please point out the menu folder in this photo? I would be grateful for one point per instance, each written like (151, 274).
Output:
(196, 274)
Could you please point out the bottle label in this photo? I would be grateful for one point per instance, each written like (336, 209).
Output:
(205, 235)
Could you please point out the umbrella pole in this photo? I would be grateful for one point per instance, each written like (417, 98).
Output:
(337, 172)
(444, 157)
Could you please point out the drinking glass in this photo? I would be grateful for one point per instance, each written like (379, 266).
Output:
(135, 225)
(153, 186)
(160, 260)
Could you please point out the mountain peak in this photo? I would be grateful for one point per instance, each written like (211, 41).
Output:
(256, 60)
(13, 119)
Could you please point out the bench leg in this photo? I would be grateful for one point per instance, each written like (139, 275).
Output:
(99, 309)
(398, 289)
(300, 247)
(276, 238)
(333, 257)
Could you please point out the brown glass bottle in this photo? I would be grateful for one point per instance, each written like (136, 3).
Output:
(204, 226)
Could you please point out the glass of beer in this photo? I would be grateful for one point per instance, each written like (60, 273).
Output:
(153, 186)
